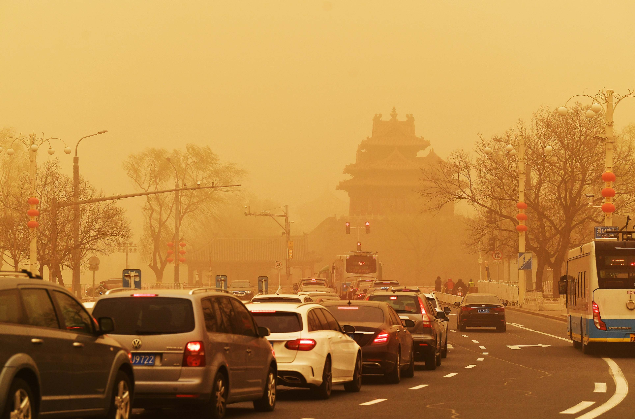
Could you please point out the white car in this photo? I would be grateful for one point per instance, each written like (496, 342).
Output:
(319, 296)
(312, 349)
(281, 298)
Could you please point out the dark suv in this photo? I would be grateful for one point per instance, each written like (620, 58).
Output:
(427, 332)
(55, 356)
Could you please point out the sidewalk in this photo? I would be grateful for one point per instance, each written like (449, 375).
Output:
(559, 315)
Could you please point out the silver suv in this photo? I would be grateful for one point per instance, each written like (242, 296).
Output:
(197, 347)
(56, 359)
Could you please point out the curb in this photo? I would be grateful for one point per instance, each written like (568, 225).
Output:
(547, 316)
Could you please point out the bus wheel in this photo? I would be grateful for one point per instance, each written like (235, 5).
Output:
(586, 348)
(576, 344)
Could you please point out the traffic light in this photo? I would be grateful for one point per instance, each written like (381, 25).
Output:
(359, 246)
(367, 227)
(348, 228)
(492, 243)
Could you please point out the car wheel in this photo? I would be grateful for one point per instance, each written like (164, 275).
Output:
(20, 402)
(355, 385)
(438, 359)
(121, 400)
(431, 360)
(268, 400)
(394, 376)
(324, 390)
(586, 347)
(576, 344)
(501, 328)
(217, 406)
(410, 371)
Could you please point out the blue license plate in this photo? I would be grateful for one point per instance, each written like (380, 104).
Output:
(483, 310)
(143, 359)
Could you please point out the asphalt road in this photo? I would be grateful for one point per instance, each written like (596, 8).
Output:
(482, 377)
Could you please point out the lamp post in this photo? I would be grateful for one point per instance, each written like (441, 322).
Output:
(604, 100)
(76, 218)
(33, 144)
(177, 222)
(127, 247)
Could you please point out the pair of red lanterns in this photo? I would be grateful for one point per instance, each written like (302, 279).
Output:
(33, 212)
(608, 207)
(522, 217)
(182, 252)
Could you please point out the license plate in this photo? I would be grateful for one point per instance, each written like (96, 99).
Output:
(632, 337)
(483, 310)
(143, 359)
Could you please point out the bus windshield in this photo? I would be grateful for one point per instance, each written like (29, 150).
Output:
(616, 271)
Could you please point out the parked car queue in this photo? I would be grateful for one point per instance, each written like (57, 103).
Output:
(200, 348)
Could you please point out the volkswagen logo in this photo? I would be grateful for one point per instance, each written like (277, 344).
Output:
(136, 344)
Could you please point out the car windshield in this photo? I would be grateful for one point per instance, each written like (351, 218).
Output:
(472, 299)
(279, 321)
(147, 315)
(357, 314)
(401, 303)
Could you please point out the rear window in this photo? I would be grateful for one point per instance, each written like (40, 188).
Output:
(481, 299)
(279, 322)
(616, 272)
(147, 315)
(10, 308)
(357, 314)
(401, 303)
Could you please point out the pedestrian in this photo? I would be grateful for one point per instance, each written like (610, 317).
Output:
(460, 288)
(437, 284)
(449, 286)
(471, 285)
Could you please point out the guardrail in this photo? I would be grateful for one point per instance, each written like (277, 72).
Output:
(505, 292)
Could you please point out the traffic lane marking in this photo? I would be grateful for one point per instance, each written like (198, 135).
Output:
(418, 387)
(450, 375)
(470, 366)
(475, 341)
(538, 331)
(482, 347)
(577, 408)
(621, 390)
(373, 402)
(600, 388)
(480, 359)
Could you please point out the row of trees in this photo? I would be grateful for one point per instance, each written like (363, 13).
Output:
(558, 185)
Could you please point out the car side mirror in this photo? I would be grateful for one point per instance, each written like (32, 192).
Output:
(263, 331)
(407, 323)
(441, 315)
(562, 286)
(457, 304)
(106, 325)
(348, 329)
(447, 310)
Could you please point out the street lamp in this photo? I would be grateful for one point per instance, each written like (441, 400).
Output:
(76, 215)
(177, 221)
(33, 144)
(604, 100)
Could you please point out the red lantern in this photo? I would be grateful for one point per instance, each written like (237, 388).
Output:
(182, 260)
(33, 201)
(170, 244)
(608, 207)
(33, 212)
(521, 217)
(521, 227)
(170, 251)
(182, 251)
(170, 260)
(608, 177)
(608, 192)
(521, 205)
(182, 244)
(33, 224)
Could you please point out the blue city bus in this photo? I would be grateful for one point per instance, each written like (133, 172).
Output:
(600, 286)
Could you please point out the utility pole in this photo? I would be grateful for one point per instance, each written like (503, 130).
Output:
(286, 227)
(177, 225)
(32, 180)
(522, 232)
(608, 163)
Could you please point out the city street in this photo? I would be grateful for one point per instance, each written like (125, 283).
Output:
(482, 377)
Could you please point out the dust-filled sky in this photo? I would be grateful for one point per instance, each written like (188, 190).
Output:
(287, 89)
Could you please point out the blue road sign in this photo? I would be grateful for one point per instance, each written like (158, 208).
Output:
(524, 261)
(604, 232)
(221, 281)
(263, 285)
(131, 274)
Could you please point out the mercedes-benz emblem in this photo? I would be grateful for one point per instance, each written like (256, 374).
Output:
(136, 344)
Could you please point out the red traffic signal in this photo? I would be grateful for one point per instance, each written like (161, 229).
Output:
(348, 228)
(367, 227)
(359, 246)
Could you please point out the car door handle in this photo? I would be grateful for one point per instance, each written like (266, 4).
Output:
(78, 344)
(37, 341)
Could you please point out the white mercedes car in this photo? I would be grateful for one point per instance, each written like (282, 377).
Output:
(312, 349)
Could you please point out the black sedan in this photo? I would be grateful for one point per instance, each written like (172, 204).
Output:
(387, 345)
(481, 310)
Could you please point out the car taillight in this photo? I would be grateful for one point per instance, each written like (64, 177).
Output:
(499, 308)
(466, 308)
(427, 323)
(300, 344)
(194, 355)
(381, 338)
(597, 319)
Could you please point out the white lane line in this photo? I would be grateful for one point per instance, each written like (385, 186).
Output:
(621, 390)
(450, 375)
(464, 336)
(475, 341)
(450, 346)
(480, 359)
(577, 408)
(453, 331)
(485, 353)
(418, 387)
(470, 366)
(373, 402)
(600, 388)
(520, 326)
(482, 347)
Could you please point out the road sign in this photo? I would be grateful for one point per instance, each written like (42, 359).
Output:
(131, 275)
(278, 264)
(93, 263)
(221, 281)
(263, 285)
(527, 346)
(604, 232)
(524, 261)
(496, 255)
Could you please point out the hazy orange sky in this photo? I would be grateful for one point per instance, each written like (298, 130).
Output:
(287, 89)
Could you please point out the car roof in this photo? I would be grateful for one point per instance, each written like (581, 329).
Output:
(8, 281)
(278, 296)
(361, 303)
(286, 307)
(396, 292)
(191, 294)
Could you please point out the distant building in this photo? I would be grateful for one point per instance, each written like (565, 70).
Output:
(388, 170)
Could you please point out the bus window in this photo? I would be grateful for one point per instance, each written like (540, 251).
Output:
(616, 272)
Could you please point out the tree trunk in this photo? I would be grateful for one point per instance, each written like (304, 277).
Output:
(540, 271)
